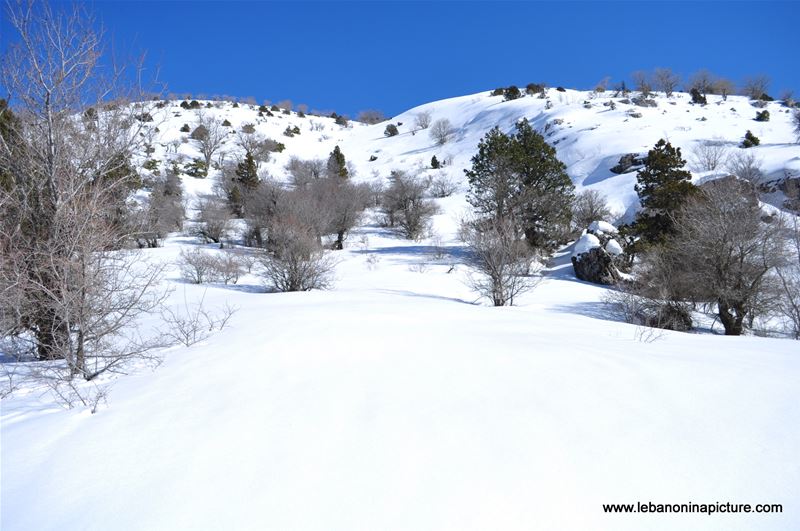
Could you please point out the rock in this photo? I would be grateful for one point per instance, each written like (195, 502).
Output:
(631, 161)
(596, 255)
(644, 102)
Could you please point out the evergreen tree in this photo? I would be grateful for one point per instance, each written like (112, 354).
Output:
(247, 172)
(337, 165)
(435, 164)
(750, 140)
(391, 130)
(663, 187)
(519, 177)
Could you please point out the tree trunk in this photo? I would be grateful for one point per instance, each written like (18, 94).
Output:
(732, 318)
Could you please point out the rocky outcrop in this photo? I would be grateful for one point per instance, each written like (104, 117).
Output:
(597, 255)
(629, 162)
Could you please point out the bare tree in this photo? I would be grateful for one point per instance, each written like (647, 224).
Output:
(789, 277)
(210, 133)
(68, 288)
(724, 87)
(755, 87)
(441, 130)
(589, 206)
(213, 218)
(703, 81)
(745, 165)
(708, 155)
(641, 80)
(405, 206)
(346, 202)
(796, 123)
(422, 120)
(370, 116)
(294, 259)
(666, 81)
(305, 172)
(724, 251)
(502, 263)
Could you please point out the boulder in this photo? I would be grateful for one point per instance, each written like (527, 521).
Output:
(629, 162)
(596, 255)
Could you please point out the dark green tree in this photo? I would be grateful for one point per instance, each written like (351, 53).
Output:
(247, 172)
(663, 186)
(435, 164)
(337, 165)
(391, 130)
(750, 140)
(519, 177)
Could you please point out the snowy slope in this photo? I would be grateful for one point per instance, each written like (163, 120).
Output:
(395, 401)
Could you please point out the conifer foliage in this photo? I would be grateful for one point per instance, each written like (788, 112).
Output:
(519, 177)
(337, 165)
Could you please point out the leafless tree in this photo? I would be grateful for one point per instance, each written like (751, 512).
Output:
(423, 119)
(755, 87)
(304, 172)
(441, 130)
(724, 87)
(213, 218)
(703, 81)
(788, 275)
(442, 185)
(666, 81)
(796, 123)
(210, 134)
(67, 286)
(371, 116)
(724, 250)
(405, 206)
(708, 155)
(589, 206)
(502, 263)
(192, 323)
(641, 80)
(294, 259)
(346, 202)
(745, 165)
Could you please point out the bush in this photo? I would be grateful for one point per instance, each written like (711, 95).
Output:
(709, 155)
(288, 131)
(226, 123)
(371, 117)
(391, 130)
(762, 116)
(196, 266)
(561, 89)
(589, 206)
(511, 93)
(295, 261)
(196, 168)
(796, 122)
(745, 165)
(534, 88)
(750, 140)
(440, 131)
(422, 120)
(213, 218)
(443, 186)
(405, 206)
(498, 91)
(435, 164)
(342, 120)
(185, 128)
(698, 97)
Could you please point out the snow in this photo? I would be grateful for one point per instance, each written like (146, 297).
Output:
(603, 227)
(613, 247)
(396, 401)
(586, 243)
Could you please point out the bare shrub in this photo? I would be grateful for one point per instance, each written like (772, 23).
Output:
(745, 165)
(370, 116)
(708, 155)
(788, 274)
(210, 134)
(405, 206)
(196, 266)
(214, 217)
(441, 130)
(796, 123)
(755, 87)
(589, 206)
(666, 81)
(304, 172)
(641, 80)
(295, 261)
(442, 185)
(502, 263)
(194, 323)
(422, 120)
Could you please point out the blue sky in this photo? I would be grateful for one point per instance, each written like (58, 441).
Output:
(349, 56)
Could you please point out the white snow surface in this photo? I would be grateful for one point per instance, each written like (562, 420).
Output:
(613, 247)
(395, 401)
(586, 243)
(602, 226)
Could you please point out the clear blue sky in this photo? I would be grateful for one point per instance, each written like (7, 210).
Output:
(349, 56)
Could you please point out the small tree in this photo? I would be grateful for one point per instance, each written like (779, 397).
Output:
(589, 206)
(501, 262)
(371, 117)
(441, 131)
(762, 116)
(666, 81)
(796, 123)
(663, 186)
(746, 166)
(210, 133)
(405, 205)
(724, 87)
(435, 163)
(422, 120)
(641, 81)
(511, 93)
(750, 140)
(294, 260)
(337, 165)
(391, 130)
(755, 87)
(702, 81)
(708, 155)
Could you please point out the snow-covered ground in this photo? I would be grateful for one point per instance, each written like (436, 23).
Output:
(396, 401)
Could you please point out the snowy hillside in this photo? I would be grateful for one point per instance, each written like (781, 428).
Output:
(396, 400)
(589, 135)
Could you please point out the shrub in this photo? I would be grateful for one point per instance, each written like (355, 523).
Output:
(750, 140)
(435, 164)
(275, 108)
(422, 120)
(196, 168)
(288, 131)
(194, 104)
(441, 131)
(698, 97)
(185, 128)
(534, 88)
(561, 89)
(589, 206)
(511, 93)
(342, 120)
(745, 165)
(196, 266)
(226, 123)
(185, 105)
(248, 128)
(762, 116)
(498, 92)
(295, 261)
(214, 217)
(391, 130)
(709, 155)
(150, 164)
(443, 186)
(371, 117)
(405, 206)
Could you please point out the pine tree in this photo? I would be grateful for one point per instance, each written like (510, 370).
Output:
(435, 164)
(337, 165)
(519, 177)
(663, 187)
(247, 172)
